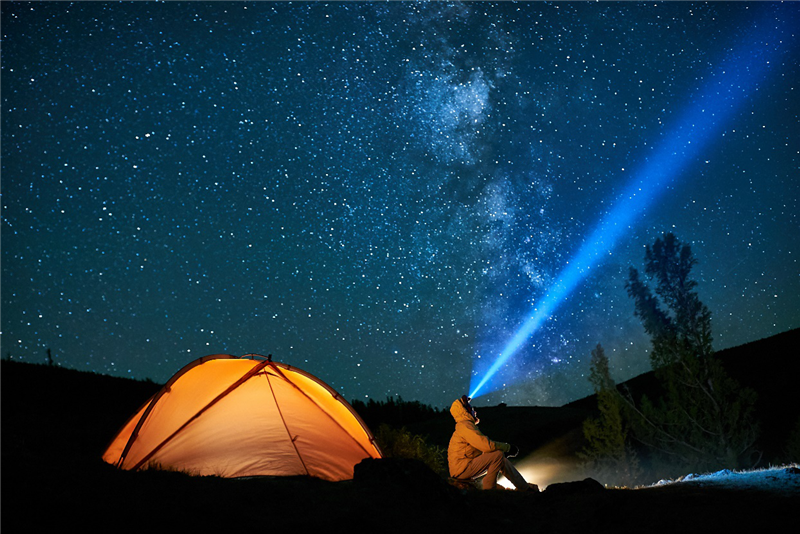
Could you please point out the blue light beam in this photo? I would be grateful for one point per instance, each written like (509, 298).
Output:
(730, 85)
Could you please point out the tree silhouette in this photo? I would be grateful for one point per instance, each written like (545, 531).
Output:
(607, 453)
(704, 419)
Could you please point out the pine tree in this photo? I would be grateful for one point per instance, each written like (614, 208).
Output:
(704, 420)
(607, 454)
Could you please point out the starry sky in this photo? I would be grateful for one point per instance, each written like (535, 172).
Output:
(380, 193)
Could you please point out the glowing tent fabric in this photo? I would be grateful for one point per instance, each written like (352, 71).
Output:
(233, 417)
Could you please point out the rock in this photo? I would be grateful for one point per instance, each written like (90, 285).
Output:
(584, 487)
(401, 474)
(463, 484)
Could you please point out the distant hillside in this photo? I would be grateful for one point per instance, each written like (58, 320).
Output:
(83, 411)
(57, 421)
(79, 411)
(770, 366)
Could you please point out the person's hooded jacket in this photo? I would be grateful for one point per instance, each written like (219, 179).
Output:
(468, 442)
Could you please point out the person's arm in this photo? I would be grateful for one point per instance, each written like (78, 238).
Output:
(480, 441)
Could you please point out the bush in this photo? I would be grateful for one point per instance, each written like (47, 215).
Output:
(394, 412)
(400, 443)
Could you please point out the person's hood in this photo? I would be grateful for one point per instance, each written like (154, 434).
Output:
(459, 412)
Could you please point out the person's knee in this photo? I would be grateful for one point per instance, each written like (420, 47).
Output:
(496, 457)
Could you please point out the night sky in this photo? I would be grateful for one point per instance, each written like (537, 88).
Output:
(380, 194)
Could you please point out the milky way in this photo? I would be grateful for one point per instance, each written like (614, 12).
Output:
(379, 193)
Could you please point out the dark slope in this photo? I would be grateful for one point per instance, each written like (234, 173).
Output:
(770, 366)
(56, 423)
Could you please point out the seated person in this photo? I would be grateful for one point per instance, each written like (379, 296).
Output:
(470, 452)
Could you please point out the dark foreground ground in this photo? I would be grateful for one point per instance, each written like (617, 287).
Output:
(55, 424)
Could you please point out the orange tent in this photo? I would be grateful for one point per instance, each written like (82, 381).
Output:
(234, 417)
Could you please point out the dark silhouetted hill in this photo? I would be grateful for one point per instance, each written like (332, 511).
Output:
(57, 422)
(770, 366)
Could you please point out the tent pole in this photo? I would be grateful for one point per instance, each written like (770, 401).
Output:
(252, 372)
